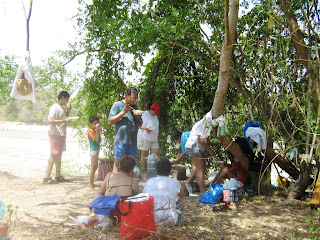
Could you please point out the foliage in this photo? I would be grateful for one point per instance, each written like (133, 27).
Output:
(268, 81)
(314, 224)
(8, 69)
(50, 79)
(12, 217)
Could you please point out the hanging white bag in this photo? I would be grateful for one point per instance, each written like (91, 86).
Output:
(24, 87)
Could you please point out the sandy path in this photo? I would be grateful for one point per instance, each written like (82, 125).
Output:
(24, 151)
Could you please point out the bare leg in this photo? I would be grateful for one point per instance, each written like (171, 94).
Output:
(218, 174)
(94, 166)
(58, 164)
(226, 172)
(156, 151)
(192, 174)
(200, 165)
(51, 161)
(144, 163)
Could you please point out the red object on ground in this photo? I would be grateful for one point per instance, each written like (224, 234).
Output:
(3, 229)
(138, 220)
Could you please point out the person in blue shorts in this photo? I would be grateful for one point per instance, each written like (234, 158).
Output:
(126, 122)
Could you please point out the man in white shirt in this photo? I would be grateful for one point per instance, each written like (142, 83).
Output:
(148, 134)
(165, 191)
(58, 120)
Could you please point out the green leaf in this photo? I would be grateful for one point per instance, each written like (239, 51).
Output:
(271, 23)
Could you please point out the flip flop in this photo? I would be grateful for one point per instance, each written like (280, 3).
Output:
(61, 179)
(48, 181)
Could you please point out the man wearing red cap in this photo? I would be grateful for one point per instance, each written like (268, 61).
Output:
(148, 134)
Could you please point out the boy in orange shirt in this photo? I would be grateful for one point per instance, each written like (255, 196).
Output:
(95, 140)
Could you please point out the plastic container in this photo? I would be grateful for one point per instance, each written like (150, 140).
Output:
(234, 195)
(226, 196)
(151, 166)
(136, 173)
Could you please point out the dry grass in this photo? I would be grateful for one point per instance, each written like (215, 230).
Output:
(42, 212)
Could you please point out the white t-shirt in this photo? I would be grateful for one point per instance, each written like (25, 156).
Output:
(195, 132)
(165, 191)
(57, 112)
(149, 121)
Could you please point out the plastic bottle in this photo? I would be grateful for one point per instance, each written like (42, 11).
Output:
(136, 173)
(152, 171)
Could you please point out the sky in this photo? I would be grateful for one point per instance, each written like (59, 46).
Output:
(51, 27)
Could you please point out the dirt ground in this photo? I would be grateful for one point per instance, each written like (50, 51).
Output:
(37, 211)
(42, 212)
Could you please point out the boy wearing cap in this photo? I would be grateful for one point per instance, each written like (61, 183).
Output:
(148, 134)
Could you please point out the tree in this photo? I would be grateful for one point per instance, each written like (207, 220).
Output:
(267, 81)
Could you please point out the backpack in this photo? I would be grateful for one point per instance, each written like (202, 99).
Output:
(255, 162)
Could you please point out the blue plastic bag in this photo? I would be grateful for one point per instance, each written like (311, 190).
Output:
(211, 196)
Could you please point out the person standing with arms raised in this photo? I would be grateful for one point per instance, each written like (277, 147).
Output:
(126, 126)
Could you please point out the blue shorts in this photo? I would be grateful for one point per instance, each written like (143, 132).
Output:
(124, 149)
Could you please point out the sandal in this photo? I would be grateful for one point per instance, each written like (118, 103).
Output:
(48, 181)
(61, 179)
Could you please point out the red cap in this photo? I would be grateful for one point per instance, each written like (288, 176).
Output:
(156, 107)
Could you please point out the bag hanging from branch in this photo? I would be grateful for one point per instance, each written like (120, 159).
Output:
(23, 87)
(137, 216)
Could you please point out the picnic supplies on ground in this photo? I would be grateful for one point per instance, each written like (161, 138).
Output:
(232, 183)
(137, 216)
(104, 205)
(103, 220)
(105, 166)
(85, 220)
(152, 171)
(3, 230)
(212, 196)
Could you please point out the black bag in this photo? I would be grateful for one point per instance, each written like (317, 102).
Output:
(255, 162)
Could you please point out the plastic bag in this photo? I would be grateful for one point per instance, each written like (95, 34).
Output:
(85, 220)
(136, 173)
(231, 184)
(103, 220)
(211, 196)
(212, 175)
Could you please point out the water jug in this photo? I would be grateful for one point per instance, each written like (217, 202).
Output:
(152, 171)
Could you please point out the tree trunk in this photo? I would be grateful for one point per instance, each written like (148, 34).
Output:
(297, 190)
(298, 39)
(231, 18)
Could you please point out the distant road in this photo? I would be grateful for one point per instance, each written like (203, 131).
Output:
(24, 151)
